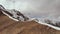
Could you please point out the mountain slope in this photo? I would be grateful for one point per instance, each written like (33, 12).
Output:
(9, 26)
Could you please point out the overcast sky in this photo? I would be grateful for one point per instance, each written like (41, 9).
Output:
(35, 8)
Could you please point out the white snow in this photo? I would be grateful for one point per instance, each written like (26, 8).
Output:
(54, 27)
(9, 16)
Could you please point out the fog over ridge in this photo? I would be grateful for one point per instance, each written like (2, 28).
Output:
(35, 8)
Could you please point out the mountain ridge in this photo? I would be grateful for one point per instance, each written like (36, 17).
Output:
(9, 26)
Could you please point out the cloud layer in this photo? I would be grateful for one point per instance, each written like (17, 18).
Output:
(35, 8)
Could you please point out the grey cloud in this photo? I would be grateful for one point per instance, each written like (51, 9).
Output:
(35, 8)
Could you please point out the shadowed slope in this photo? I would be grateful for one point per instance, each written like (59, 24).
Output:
(8, 26)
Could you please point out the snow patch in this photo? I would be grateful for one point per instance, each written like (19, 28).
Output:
(9, 16)
(54, 27)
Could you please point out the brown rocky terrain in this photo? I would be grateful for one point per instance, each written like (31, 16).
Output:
(9, 26)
